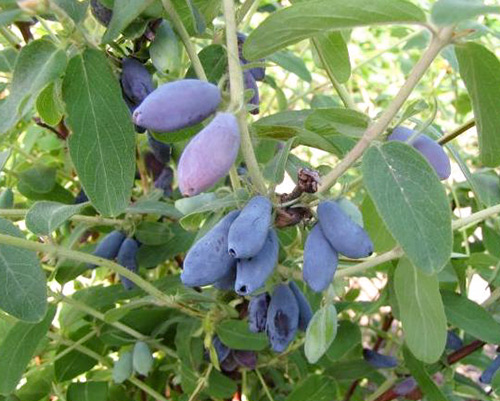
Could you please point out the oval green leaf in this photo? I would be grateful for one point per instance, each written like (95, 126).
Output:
(320, 333)
(421, 312)
(235, 335)
(45, 217)
(412, 203)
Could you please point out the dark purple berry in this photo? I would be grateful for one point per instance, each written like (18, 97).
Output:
(282, 318)
(305, 311)
(257, 312)
(127, 257)
(379, 361)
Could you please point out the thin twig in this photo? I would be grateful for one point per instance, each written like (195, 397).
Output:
(459, 131)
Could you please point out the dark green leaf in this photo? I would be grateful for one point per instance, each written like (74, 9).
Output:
(154, 207)
(304, 20)
(314, 387)
(18, 348)
(40, 179)
(348, 337)
(76, 10)
(214, 61)
(102, 144)
(427, 385)
(337, 121)
(407, 193)
(470, 317)
(88, 391)
(235, 334)
(124, 12)
(480, 70)
(166, 50)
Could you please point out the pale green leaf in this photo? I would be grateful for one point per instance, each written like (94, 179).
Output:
(449, 12)
(124, 12)
(320, 333)
(38, 64)
(337, 121)
(23, 291)
(49, 105)
(421, 311)
(411, 201)
(334, 55)
(88, 391)
(102, 144)
(304, 20)
(45, 217)
(292, 63)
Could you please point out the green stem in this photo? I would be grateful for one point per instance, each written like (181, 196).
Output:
(184, 35)
(58, 251)
(438, 42)
(202, 382)
(91, 220)
(105, 362)
(243, 11)
(237, 97)
(264, 385)
(10, 37)
(235, 179)
(459, 131)
(48, 30)
(120, 326)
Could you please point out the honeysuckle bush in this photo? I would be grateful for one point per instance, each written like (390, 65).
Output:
(340, 76)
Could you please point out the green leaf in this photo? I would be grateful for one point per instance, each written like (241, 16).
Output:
(8, 60)
(23, 291)
(235, 335)
(348, 337)
(124, 12)
(450, 12)
(4, 156)
(166, 50)
(102, 144)
(320, 333)
(334, 55)
(304, 20)
(314, 387)
(379, 234)
(421, 312)
(153, 233)
(18, 348)
(480, 70)
(470, 317)
(154, 207)
(76, 10)
(337, 121)
(275, 171)
(213, 58)
(408, 193)
(9, 16)
(142, 358)
(424, 380)
(49, 105)
(40, 179)
(45, 217)
(220, 386)
(57, 194)
(123, 368)
(292, 63)
(38, 384)
(38, 64)
(88, 391)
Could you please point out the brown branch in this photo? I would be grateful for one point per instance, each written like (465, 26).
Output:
(62, 133)
(24, 28)
(456, 356)
(459, 131)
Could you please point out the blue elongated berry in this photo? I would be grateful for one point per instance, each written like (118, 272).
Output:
(430, 149)
(208, 260)
(259, 73)
(378, 360)
(131, 106)
(249, 231)
(160, 149)
(177, 105)
(153, 165)
(136, 80)
(127, 257)
(101, 13)
(320, 260)
(252, 273)
(164, 181)
(405, 387)
(305, 311)
(81, 197)
(282, 318)
(343, 234)
(453, 341)
(226, 283)
(209, 155)
(221, 350)
(110, 245)
(257, 312)
(246, 359)
(251, 83)
(490, 371)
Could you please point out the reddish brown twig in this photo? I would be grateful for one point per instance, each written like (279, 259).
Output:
(452, 358)
(24, 28)
(62, 132)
